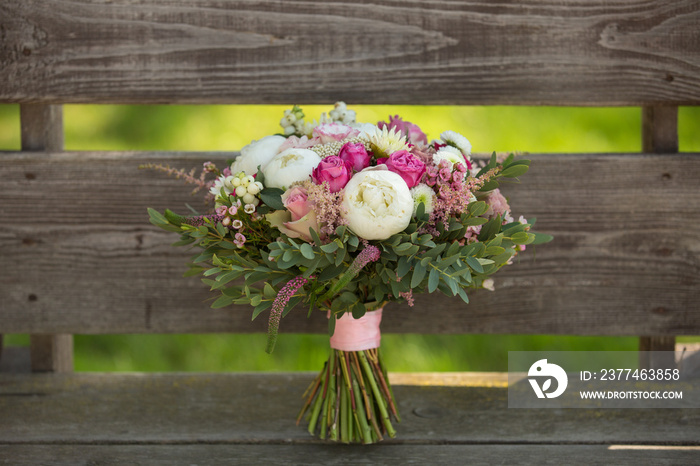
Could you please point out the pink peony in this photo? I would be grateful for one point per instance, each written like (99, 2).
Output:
(498, 205)
(333, 170)
(410, 131)
(407, 165)
(356, 155)
(332, 132)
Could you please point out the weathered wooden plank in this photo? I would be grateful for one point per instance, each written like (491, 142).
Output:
(42, 127)
(321, 455)
(261, 408)
(80, 256)
(15, 359)
(660, 345)
(603, 52)
(659, 136)
(660, 129)
(52, 353)
(42, 130)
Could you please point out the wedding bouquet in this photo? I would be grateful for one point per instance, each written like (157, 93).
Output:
(345, 217)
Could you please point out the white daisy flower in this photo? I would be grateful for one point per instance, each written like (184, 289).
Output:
(457, 140)
(449, 153)
(422, 194)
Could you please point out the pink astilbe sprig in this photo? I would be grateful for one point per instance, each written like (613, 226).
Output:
(327, 205)
(199, 220)
(283, 297)
(188, 177)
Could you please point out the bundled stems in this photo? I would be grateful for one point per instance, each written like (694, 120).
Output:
(351, 400)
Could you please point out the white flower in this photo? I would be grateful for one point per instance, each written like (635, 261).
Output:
(365, 129)
(449, 153)
(457, 140)
(385, 142)
(257, 153)
(377, 203)
(290, 166)
(222, 182)
(488, 284)
(422, 193)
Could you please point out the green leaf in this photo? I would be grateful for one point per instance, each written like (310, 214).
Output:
(490, 229)
(463, 295)
(222, 301)
(263, 306)
(331, 325)
(520, 237)
(418, 275)
(404, 266)
(477, 208)
(433, 280)
(272, 197)
(269, 291)
(307, 251)
(541, 238)
(331, 272)
(330, 247)
(474, 264)
(494, 250)
(514, 171)
(211, 272)
(358, 310)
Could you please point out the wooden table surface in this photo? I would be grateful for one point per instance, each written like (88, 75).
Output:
(248, 418)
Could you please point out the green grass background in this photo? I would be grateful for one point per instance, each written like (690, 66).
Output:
(228, 128)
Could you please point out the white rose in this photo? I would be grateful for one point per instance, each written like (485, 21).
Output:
(290, 166)
(377, 203)
(257, 153)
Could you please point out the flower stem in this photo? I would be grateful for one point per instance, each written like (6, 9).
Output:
(386, 421)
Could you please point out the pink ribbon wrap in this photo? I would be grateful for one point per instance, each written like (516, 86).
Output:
(357, 334)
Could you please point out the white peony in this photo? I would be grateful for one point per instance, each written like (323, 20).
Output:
(257, 153)
(290, 166)
(377, 203)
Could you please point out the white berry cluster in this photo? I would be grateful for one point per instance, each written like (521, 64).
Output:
(244, 187)
(341, 114)
(293, 122)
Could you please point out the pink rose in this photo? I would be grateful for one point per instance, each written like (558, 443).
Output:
(407, 165)
(332, 132)
(356, 155)
(298, 217)
(296, 201)
(410, 131)
(334, 170)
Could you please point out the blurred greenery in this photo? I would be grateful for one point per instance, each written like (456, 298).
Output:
(228, 128)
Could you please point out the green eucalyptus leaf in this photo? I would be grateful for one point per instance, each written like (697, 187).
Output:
(307, 251)
(272, 197)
